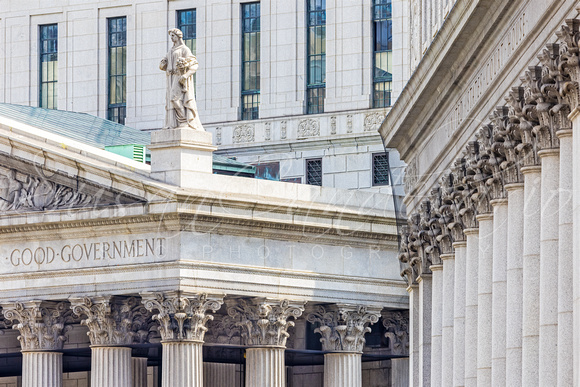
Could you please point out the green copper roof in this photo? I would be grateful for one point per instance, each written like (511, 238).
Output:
(81, 127)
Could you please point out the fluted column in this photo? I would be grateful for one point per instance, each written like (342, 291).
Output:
(459, 314)
(182, 319)
(219, 374)
(514, 296)
(436, 324)
(565, 262)
(549, 266)
(111, 322)
(342, 366)
(265, 324)
(484, 299)
(575, 118)
(414, 323)
(425, 305)
(447, 319)
(531, 276)
(139, 371)
(499, 301)
(42, 328)
(471, 275)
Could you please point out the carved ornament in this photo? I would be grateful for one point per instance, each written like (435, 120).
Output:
(373, 121)
(308, 128)
(396, 324)
(243, 133)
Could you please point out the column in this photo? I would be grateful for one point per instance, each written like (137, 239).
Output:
(549, 266)
(447, 319)
(111, 322)
(575, 118)
(484, 299)
(459, 314)
(219, 374)
(139, 371)
(436, 323)
(531, 276)
(414, 323)
(514, 297)
(182, 319)
(471, 274)
(265, 324)
(425, 304)
(400, 373)
(499, 300)
(336, 323)
(565, 262)
(41, 326)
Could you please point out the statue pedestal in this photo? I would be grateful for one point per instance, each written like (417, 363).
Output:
(177, 155)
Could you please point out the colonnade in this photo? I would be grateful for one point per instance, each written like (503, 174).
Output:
(488, 255)
(115, 323)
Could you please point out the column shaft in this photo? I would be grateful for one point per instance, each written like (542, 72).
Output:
(471, 274)
(499, 301)
(515, 233)
(414, 323)
(182, 364)
(484, 299)
(575, 118)
(139, 371)
(399, 372)
(459, 315)
(425, 303)
(447, 319)
(219, 374)
(110, 366)
(565, 262)
(548, 372)
(531, 277)
(265, 367)
(41, 369)
(436, 323)
(341, 370)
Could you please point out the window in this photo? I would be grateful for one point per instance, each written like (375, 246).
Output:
(314, 172)
(250, 60)
(186, 20)
(316, 56)
(117, 44)
(381, 169)
(383, 51)
(48, 66)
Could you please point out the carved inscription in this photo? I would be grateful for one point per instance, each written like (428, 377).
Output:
(87, 251)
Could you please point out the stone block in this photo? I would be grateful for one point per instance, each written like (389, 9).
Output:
(347, 180)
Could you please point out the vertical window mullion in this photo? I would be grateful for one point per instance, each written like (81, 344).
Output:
(48, 66)
(382, 50)
(250, 89)
(117, 69)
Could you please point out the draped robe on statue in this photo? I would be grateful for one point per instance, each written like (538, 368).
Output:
(181, 108)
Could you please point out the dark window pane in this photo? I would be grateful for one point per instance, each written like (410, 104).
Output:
(48, 66)
(382, 46)
(381, 169)
(250, 60)
(117, 37)
(314, 172)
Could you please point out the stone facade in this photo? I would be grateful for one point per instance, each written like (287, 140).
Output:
(489, 251)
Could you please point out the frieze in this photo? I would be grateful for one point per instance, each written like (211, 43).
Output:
(308, 128)
(243, 133)
(373, 121)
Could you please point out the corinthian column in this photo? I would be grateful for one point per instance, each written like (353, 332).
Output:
(472, 254)
(342, 328)
(42, 327)
(182, 319)
(265, 324)
(111, 322)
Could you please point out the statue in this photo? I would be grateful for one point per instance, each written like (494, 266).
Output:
(180, 65)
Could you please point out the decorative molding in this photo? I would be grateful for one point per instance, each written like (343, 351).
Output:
(411, 177)
(243, 133)
(373, 121)
(349, 123)
(268, 131)
(218, 135)
(42, 325)
(112, 321)
(396, 324)
(343, 327)
(182, 316)
(283, 131)
(264, 322)
(333, 125)
(308, 128)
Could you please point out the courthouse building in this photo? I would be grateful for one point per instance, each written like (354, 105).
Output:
(118, 273)
(490, 253)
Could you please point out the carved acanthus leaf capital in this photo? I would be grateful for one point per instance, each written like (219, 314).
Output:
(112, 320)
(568, 38)
(343, 327)
(396, 324)
(182, 316)
(41, 324)
(442, 215)
(265, 322)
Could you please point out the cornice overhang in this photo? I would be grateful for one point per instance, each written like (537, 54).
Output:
(440, 71)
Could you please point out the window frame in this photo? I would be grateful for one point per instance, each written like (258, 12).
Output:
(306, 174)
(315, 91)
(250, 97)
(117, 111)
(41, 55)
(384, 82)
(373, 162)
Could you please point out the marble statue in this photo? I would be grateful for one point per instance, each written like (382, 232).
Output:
(180, 65)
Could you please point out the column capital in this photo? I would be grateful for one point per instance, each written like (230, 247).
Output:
(112, 321)
(343, 327)
(264, 321)
(41, 324)
(568, 38)
(182, 316)
(396, 324)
